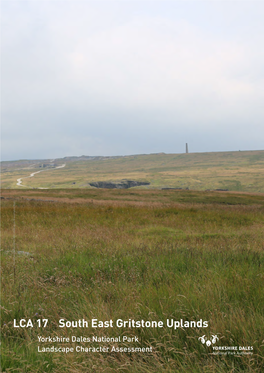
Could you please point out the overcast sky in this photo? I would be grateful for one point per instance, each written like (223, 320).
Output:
(131, 77)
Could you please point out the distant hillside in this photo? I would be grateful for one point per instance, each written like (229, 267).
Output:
(234, 171)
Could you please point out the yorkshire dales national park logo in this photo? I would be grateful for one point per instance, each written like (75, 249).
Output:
(208, 341)
(225, 350)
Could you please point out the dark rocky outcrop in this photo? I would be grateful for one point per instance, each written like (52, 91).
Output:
(174, 189)
(123, 184)
(171, 188)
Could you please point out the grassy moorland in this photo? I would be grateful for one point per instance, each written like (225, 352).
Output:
(131, 254)
(235, 171)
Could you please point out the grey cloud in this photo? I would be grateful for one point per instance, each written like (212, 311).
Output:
(96, 78)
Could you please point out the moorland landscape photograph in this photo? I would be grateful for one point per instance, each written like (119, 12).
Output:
(132, 186)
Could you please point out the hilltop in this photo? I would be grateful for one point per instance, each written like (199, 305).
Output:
(233, 171)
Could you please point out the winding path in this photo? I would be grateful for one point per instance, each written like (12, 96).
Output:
(19, 181)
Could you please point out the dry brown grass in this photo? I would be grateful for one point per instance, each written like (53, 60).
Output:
(147, 258)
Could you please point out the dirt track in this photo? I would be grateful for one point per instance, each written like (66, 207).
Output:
(19, 181)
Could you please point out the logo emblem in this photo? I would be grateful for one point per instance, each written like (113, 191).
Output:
(208, 341)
